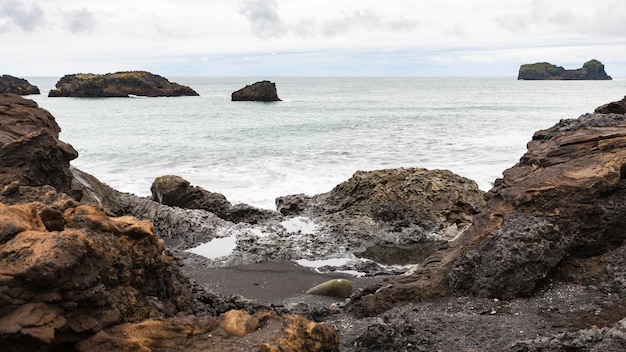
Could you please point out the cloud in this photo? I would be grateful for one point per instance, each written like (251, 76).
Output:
(550, 17)
(17, 13)
(263, 16)
(266, 22)
(81, 21)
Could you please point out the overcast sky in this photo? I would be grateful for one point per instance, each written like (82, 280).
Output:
(304, 38)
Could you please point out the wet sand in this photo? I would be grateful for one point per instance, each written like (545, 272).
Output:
(268, 283)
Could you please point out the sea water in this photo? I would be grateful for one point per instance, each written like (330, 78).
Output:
(323, 131)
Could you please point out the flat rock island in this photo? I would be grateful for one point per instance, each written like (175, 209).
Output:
(118, 84)
(591, 70)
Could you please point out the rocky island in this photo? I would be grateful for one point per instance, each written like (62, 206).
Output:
(591, 70)
(119, 84)
(20, 86)
(535, 264)
(259, 91)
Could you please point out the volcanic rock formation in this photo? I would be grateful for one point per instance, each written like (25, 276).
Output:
(591, 70)
(119, 84)
(74, 277)
(20, 86)
(259, 91)
(30, 149)
(556, 215)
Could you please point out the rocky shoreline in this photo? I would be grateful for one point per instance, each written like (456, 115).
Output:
(535, 264)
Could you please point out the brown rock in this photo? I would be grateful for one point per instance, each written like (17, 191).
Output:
(176, 191)
(62, 285)
(30, 151)
(20, 86)
(233, 331)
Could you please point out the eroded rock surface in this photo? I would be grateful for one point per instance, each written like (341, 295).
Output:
(118, 84)
(20, 86)
(68, 271)
(30, 149)
(557, 214)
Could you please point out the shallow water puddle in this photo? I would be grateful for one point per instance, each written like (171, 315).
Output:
(336, 262)
(217, 247)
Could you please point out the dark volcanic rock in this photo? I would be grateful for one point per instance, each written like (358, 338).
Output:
(259, 91)
(429, 201)
(30, 149)
(591, 70)
(176, 191)
(293, 204)
(614, 107)
(556, 215)
(20, 86)
(119, 84)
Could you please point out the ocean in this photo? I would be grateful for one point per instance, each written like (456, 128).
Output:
(323, 131)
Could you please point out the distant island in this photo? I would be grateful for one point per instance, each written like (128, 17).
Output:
(118, 84)
(591, 70)
(11, 84)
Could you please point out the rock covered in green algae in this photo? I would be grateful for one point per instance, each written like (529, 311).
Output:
(591, 70)
(118, 84)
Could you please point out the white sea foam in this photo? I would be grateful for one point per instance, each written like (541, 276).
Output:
(216, 248)
(300, 224)
(324, 131)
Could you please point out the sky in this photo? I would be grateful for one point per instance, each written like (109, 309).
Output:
(309, 38)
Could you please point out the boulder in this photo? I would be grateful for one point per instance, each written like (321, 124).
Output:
(427, 201)
(591, 70)
(69, 271)
(118, 84)
(259, 91)
(294, 204)
(176, 191)
(30, 149)
(558, 214)
(20, 86)
(340, 288)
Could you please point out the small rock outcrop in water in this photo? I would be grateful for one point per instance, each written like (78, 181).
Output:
(119, 84)
(259, 91)
(591, 70)
(30, 149)
(20, 86)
